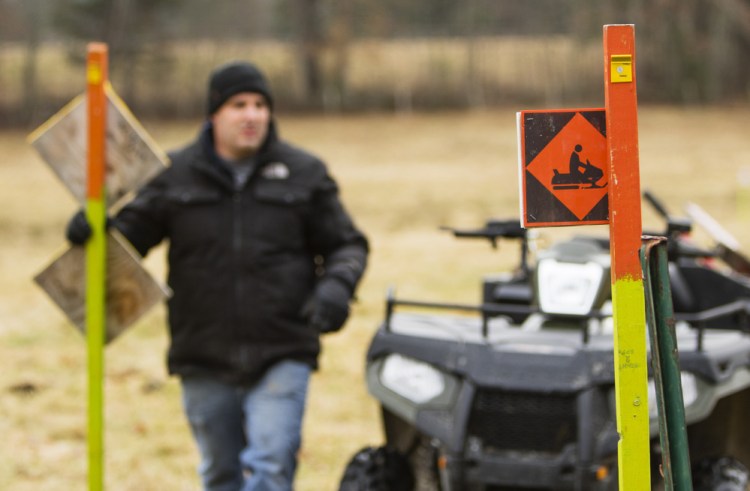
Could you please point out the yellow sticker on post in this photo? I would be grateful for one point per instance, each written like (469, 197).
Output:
(620, 68)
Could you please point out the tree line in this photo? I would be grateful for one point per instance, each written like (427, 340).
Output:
(366, 54)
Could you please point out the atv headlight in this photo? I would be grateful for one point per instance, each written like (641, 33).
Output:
(568, 288)
(689, 393)
(412, 379)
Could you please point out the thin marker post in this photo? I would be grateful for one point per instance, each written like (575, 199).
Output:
(96, 256)
(628, 301)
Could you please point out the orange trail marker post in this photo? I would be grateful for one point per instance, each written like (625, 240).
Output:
(100, 152)
(628, 302)
(96, 256)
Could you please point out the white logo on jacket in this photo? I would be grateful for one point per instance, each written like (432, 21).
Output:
(275, 170)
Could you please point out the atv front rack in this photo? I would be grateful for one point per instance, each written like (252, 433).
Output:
(487, 311)
(739, 308)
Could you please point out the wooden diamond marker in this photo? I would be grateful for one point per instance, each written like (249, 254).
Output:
(131, 290)
(132, 158)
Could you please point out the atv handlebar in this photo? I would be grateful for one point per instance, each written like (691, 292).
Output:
(497, 229)
(656, 204)
(493, 230)
(675, 225)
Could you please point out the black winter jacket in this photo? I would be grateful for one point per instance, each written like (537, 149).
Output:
(242, 263)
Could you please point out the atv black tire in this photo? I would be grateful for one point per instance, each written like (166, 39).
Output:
(721, 474)
(377, 469)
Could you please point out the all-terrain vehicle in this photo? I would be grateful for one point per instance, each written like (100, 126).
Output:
(519, 394)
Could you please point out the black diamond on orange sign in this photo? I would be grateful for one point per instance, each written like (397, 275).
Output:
(565, 167)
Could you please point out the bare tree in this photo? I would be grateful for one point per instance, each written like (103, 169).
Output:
(310, 48)
(132, 29)
(33, 15)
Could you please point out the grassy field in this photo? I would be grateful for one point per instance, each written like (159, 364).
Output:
(402, 177)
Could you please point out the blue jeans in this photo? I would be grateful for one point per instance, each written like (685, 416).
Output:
(248, 437)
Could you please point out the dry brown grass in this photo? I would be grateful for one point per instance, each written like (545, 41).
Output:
(402, 177)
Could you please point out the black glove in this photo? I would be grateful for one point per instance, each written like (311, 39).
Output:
(328, 308)
(78, 230)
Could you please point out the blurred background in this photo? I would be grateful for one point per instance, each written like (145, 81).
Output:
(326, 55)
(412, 105)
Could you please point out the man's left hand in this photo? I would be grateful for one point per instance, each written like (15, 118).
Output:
(328, 308)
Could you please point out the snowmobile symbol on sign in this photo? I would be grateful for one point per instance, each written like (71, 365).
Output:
(581, 175)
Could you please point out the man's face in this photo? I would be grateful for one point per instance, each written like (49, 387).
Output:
(241, 125)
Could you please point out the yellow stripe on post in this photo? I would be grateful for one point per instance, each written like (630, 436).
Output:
(96, 257)
(628, 301)
(631, 379)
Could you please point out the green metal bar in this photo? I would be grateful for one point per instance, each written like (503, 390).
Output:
(666, 366)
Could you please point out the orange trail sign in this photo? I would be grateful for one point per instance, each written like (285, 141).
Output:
(563, 167)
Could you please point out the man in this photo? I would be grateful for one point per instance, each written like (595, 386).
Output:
(262, 259)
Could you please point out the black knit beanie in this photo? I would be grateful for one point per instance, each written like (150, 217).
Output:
(233, 78)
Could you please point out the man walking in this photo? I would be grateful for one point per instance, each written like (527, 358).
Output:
(263, 258)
